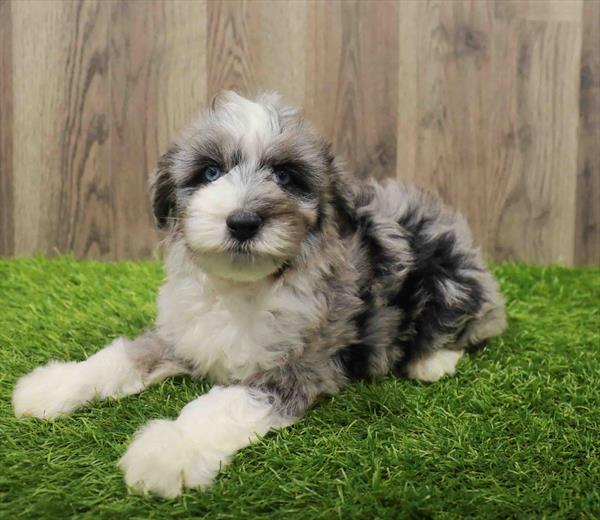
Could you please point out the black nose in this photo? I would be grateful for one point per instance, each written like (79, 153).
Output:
(243, 225)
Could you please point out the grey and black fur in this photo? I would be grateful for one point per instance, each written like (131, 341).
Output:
(320, 280)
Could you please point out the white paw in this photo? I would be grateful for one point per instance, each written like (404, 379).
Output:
(162, 460)
(435, 366)
(50, 391)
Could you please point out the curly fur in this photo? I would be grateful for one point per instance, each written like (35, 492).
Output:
(344, 280)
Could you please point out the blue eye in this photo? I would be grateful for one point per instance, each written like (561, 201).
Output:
(282, 177)
(212, 173)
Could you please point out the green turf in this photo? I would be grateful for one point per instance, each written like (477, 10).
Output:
(515, 434)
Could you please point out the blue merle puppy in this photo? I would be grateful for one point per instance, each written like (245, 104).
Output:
(287, 280)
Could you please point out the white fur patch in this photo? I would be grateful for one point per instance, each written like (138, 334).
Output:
(50, 391)
(60, 388)
(230, 331)
(167, 456)
(251, 121)
(435, 366)
(206, 233)
(238, 269)
(205, 223)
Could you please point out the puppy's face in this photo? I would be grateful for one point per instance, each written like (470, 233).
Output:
(245, 187)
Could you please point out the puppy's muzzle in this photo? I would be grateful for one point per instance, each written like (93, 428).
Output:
(243, 225)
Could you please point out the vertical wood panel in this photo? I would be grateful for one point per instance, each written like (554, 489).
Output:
(542, 10)
(537, 221)
(352, 90)
(257, 45)
(7, 215)
(84, 202)
(493, 104)
(277, 39)
(456, 71)
(496, 122)
(408, 89)
(37, 105)
(181, 76)
(157, 84)
(448, 124)
(227, 45)
(587, 236)
(60, 127)
(467, 143)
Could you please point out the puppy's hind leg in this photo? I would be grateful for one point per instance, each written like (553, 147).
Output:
(490, 324)
(122, 368)
(435, 365)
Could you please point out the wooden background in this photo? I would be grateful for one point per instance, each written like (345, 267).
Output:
(493, 104)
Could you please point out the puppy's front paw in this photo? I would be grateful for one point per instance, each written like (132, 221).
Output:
(162, 460)
(50, 391)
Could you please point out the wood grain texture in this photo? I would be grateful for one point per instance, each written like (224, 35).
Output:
(85, 193)
(257, 45)
(455, 115)
(156, 86)
(60, 127)
(494, 131)
(492, 104)
(227, 46)
(587, 231)
(537, 220)
(541, 10)
(7, 235)
(408, 89)
(351, 95)
(277, 38)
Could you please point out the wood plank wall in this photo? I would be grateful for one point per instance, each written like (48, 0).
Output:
(495, 105)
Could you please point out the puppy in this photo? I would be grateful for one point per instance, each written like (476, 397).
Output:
(286, 281)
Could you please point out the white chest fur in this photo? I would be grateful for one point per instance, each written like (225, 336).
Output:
(229, 332)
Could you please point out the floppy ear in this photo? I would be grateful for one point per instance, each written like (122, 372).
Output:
(163, 190)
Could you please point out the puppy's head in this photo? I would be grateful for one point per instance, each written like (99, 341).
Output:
(244, 187)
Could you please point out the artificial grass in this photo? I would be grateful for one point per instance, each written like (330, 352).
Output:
(515, 434)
